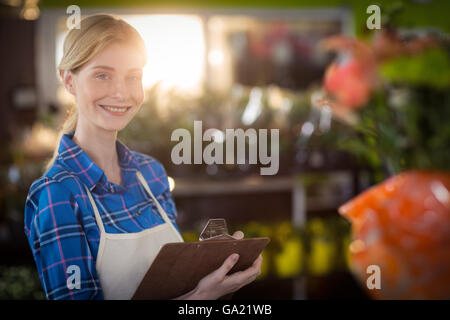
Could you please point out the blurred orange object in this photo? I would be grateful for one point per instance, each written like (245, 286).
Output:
(348, 82)
(403, 226)
(351, 78)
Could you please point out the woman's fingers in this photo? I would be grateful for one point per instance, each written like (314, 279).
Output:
(246, 276)
(218, 284)
(256, 266)
(258, 261)
(227, 265)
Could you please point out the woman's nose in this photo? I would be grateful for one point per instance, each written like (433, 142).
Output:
(119, 90)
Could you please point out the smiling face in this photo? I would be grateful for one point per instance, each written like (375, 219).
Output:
(108, 89)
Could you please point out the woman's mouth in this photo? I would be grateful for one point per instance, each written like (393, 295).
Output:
(115, 110)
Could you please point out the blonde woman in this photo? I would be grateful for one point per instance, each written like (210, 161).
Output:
(102, 211)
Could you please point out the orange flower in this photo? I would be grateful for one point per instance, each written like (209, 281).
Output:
(348, 83)
(404, 226)
(351, 78)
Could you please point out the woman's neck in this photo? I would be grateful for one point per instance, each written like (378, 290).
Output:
(100, 145)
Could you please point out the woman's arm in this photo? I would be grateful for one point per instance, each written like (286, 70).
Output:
(217, 284)
(53, 225)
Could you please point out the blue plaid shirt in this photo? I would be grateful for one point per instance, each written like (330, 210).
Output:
(60, 222)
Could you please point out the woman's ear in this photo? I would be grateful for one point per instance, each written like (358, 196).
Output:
(68, 81)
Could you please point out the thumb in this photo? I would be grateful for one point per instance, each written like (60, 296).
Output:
(238, 235)
(227, 265)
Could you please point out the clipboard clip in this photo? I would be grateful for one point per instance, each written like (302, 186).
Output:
(215, 229)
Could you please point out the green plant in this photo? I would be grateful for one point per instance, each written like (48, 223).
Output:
(20, 283)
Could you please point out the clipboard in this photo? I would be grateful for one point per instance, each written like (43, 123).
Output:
(179, 266)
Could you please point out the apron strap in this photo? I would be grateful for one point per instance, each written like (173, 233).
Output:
(160, 209)
(147, 188)
(97, 214)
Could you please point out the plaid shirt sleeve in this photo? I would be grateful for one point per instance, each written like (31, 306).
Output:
(53, 225)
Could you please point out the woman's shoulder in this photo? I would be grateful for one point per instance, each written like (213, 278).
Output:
(49, 201)
(143, 159)
(152, 169)
(57, 182)
(149, 162)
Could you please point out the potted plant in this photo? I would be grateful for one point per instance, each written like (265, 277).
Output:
(394, 95)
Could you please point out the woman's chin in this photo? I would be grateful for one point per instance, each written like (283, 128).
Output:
(111, 126)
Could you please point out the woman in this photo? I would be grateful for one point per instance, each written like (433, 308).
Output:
(101, 211)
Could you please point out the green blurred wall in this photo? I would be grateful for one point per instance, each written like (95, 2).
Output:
(418, 13)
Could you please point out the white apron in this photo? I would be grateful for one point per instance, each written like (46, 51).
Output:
(124, 258)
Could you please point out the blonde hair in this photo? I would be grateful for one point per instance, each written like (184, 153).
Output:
(80, 45)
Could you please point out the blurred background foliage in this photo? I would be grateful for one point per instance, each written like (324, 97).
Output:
(404, 124)
(20, 283)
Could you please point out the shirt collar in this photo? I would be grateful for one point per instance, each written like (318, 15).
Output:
(73, 158)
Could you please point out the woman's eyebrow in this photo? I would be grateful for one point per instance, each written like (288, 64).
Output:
(103, 67)
(111, 68)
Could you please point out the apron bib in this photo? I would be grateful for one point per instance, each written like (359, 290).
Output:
(123, 259)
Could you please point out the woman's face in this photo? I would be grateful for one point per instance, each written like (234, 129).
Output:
(108, 89)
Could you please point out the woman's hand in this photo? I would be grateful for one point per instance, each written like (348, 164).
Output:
(217, 283)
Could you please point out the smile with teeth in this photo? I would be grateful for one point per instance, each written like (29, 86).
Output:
(115, 109)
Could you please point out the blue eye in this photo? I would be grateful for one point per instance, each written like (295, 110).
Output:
(102, 76)
(135, 78)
